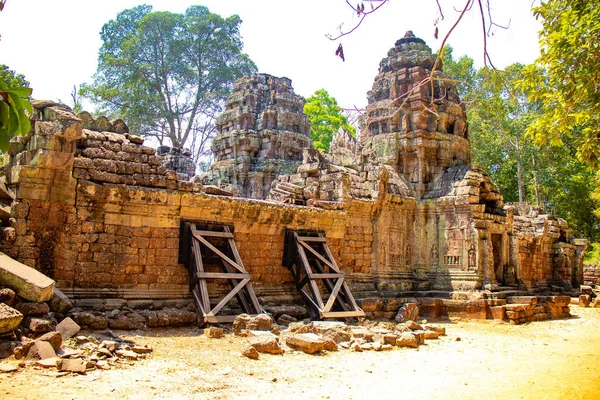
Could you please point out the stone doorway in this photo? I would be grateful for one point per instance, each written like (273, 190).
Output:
(497, 253)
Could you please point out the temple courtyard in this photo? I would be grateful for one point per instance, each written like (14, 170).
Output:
(477, 359)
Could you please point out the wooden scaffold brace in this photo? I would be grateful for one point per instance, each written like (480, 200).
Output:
(315, 272)
(199, 241)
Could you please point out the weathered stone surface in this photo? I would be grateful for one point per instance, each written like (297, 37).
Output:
(68, 328)
(408, 312)
(39, 325)
(90, 320)
(407, 340)
(25, 281)
(266, 344)
(71, 365)
(250, 352)
(7, 296)
(584, 300)
(59, 302)
(28, 309)
(213, 332)
(413, 326)
(262, 322)
(41, 350)
(9, 318)
(54, 338)
(306, 342)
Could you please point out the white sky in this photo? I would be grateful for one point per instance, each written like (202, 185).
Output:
(55, 43)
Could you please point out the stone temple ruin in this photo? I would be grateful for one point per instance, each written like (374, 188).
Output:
(401, 216)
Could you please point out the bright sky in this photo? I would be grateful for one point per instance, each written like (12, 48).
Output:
(55, 43)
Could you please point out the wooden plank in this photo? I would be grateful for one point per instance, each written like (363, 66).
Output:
(220, 319)
(222, 275)
(312, 239)
(227, 235)
(229, 296)
(330, 255)
(333, 295)
(326, 276)
(200, 269)
(307, 269)
(343, 314)
(319, 256)
(348, 294)
(218, 252)
(198, 303)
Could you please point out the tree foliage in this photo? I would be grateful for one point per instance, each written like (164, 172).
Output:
(499, 116)
(565, 80)
(14, 100)
(326, 118)
(168, 74)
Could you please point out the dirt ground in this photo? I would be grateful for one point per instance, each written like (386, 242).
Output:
(540, 360)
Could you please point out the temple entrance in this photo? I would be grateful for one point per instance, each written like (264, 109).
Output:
(497, 253)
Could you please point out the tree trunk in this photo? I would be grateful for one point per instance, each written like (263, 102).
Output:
(519, 171)
(535, 183)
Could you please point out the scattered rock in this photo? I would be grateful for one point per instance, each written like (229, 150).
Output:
(413, 326)
(306, 342)
(9, 318)
(408, 312)
(54, 338)
(7, 296)
(250, 352)
(5, 368)
(439, 329)
(71, 365)
(213, 332)
(262, 322)
(39, 325)
(407, 340)
(28, 309)
(266, 344)
(48, 362)
(142, 349)
(68, 328)
(40, 350)
(285, 320)
(584, 300)
(59, 302)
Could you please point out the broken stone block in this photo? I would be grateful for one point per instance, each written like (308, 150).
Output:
(7, 348)
(262, 322)
(93, 321)
(9, 318)
(584, 300)
(54, 338)
(407, 340)
(250, 352)
(306, 342)
(68, 328)
(142, 349)
(408, 312)
(71, 365)
(60, 303)
(285, 319)
(413, 326)
(7, 296)
(439, 329)
(28, 309)
(213, 332)
(266, 344)
(240, 324)
(40, 350)
(329, 344)
(48, 362)
(28, 283)
(39, 325)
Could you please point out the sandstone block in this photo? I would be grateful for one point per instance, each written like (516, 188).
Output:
(9, 318)
(7, 296)
(39, 325)
(54, 338)
(584, 300)
(68, 328)
(213, 332)
(250, 352)
(60, 302)
(71, 365)
(407, 340)
(25, 281)
(28, 309)
(408, 312)
(266, 344)
(306, 342)
(41, 350)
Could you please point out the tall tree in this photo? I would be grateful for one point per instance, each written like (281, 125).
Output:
(565, 80)
(326, 118)
(168, 74)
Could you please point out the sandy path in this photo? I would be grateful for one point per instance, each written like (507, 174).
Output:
(541, 360)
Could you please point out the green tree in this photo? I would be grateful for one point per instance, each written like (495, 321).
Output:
(14, 100)
(168, 74)
(326, 118)
(565, 80)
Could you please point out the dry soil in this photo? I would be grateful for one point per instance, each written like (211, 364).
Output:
(541, 360)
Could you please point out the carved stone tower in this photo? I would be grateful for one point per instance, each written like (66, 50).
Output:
(261, 135)
(417, 126)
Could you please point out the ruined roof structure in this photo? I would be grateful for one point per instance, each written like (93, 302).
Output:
(261, 134)
(405, 215)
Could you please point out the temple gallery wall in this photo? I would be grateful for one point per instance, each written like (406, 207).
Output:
(405, 214)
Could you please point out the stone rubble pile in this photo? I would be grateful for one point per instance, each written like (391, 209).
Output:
(318, 336)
